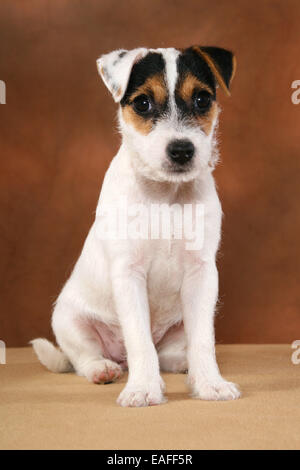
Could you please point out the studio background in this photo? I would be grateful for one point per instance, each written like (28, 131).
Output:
(58, 136)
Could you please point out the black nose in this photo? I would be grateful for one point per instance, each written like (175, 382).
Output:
(181, 151)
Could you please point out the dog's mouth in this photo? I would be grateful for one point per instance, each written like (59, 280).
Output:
(173, 168)
(178, 173)
(181, 170)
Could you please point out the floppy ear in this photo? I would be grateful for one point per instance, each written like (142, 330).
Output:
(115, 69)
(221, 62)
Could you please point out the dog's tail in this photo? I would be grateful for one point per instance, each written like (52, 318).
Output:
(50, 356)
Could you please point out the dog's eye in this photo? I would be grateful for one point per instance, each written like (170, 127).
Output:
(142, 104)
(202, 100)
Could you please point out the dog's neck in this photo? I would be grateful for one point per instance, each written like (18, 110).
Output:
(165, 191)
(162, 191)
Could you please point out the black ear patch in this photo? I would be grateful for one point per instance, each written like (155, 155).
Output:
(224, 60)
(221, 62)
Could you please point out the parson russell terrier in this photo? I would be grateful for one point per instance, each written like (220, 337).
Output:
(150, 304)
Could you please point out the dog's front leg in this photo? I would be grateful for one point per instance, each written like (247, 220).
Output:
(199, 296)
(144, 386)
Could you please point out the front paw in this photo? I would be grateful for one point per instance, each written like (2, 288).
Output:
(142, 395)
(214, 390)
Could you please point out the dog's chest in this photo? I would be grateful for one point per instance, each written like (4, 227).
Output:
(164, 282)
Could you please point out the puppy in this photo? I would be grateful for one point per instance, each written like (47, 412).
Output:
(142, 303)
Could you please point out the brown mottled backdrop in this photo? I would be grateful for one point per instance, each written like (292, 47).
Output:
(57, 137)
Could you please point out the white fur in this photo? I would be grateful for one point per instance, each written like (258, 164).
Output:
(50, 356)
(142, 288)
(115, 72)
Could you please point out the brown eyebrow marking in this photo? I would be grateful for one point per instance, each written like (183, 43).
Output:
(188, 85)
(155, 86)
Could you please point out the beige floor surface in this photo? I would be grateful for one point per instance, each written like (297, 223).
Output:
(42, 410)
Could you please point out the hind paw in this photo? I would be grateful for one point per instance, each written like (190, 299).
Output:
(104, 371)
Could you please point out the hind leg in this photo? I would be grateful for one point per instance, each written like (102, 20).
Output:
(81, 343)
(172, 350)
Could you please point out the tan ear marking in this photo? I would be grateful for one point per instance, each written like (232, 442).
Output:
(233, 68)
(213, 67)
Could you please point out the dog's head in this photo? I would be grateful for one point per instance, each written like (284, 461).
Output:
(168, 109)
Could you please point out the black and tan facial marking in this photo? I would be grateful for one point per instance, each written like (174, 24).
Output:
(146, 96)
(196, 101)
(199, 72)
